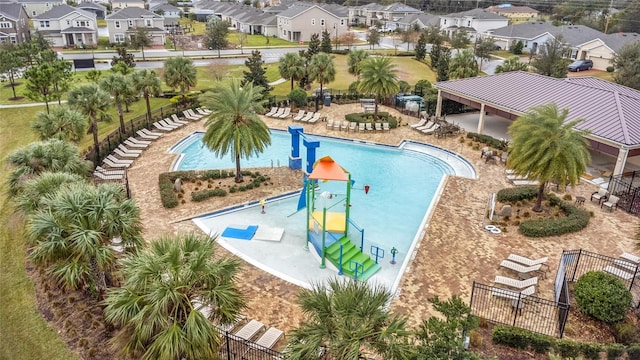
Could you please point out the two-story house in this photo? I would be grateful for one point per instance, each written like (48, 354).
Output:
(65, 26)
(302, 20)
(14, 23)
(122, 24)
(95, 8)
(386, 15)
(514, 13)
(37, 7)
(420, 20)
(122, 4)
(476, 22)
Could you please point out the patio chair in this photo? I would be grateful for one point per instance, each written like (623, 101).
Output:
(431, 130)
(524, 272)
(134, 145)
(193, 114)
(177, 120)
(109, 172)
(361, 127)
(124, 154)
(299, 116)
(168, 123)
(633, 258)
(600, 195)
(286, 113)
(611, 203)
(336, 125)
(270, 337)
(250, 330)
(203, 112)
(624, 275)
(368, 126)
(528, 262)
(353, 125)
(422, 122)
(102, 176)
(625, 264)
(188, 115)
(272, 111)
(515, 283)
(525, 182)
(231, 326)
(513, 295)
(378, 126)
(308, 117)
(148, 134)
(278, 113)
(127, 150)
(344, 126)
(385, 127)
(426, 126)
(329, 124)
(158, 126)
(314, 118)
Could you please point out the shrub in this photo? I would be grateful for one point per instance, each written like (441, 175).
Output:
(602, 296)
(614, 351)
(512, 195)
(382, 117)
(568, 348)
(541, 343)
(591, 351)
(488, 140)
(625, 332)
(511, 336)
(517, 48)
(576, 219)
(633, 352)
(206, 194)
(610, 69)
(298, 97)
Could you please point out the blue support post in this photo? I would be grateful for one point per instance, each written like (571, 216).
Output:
(311, 146)
(295, 161)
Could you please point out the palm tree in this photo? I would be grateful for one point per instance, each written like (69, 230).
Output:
(463, 65)
(347, 319)
(545, 146)
(39, 157)
(355, 60)
(321, 69)
(291, 67)
(71, 233)
(157, 307)
(233, 126)
(379, 77)
(121, 89)
(93, 102)
(179, 72)
(513, 63)
(46, 184)
(147, 82)
(60, 123)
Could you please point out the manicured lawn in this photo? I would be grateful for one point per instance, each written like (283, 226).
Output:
(197, 27)
(257, 40)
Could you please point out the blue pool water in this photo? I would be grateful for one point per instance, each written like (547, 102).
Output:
(402, 184)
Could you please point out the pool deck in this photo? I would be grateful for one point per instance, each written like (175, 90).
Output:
(454, 252)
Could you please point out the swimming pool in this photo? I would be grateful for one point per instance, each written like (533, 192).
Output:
(403, 183)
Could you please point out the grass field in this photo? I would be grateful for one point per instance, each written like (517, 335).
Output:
(256, 40)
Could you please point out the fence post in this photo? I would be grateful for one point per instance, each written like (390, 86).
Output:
(575, 268)
(516, 308)
(473, 289)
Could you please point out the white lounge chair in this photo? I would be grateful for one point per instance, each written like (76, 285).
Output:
(158, 126)
(194, 115)
(299, 116)
(102, 176)
(344, 126)
(314, 118)
(632, 258)
(270, 337)
(624, 275)
(308, 117)
(168, 123)
(336, 124)
(329, 124)
(368, 126)
(231, 326)
(524, 272)
(422, 122)
(361, 127)
(177, 120)
(513, 295)
(250, 330)
(526, 261)
(625, 264)
(385, 127)
(149, 135)
(514, 283)
(124, 154)
(188, 115)
(127, 150)
(109, 172)
(512, 177)
(426, 126)
(134, 145)
(525, 182)
(353, 125)
(378, 126)
(203, 112)
(115, 164)
(272, 111)
(286, 113)
(431, 130)
(141, 142)
(278, 113)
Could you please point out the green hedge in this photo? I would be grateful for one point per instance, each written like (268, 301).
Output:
(491, 141)
(368, 117)
(202, 195)
(516, 194)
(603, 296)
(576, 219)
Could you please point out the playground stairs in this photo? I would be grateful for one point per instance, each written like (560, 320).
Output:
(350, 252)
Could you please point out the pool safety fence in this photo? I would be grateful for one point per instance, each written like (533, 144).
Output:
(234, 347)
(575, 263)
(626, 188)
(509, 307)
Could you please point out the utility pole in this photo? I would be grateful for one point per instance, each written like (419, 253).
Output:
(606, 23)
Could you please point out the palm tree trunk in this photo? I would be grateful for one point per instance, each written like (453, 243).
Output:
(96, 146)
(291, 86)
(375, 109)
(238, 178)
(46, 103)
(142, 49)
(538, 206)
(121, 116)
(146, 98)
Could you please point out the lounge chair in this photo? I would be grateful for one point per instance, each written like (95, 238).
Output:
(299, 116)
(385, 127)
(147, 134)
(419, 124)
(526, 261)
(134, 145)
(308, 117)
(432, 130)
(124, 154)
(270, 337)
(140, 142)
(187, 115)
(168, 123)
(102, 176)
(625, 264)
(109, 172)
(344, 126)
(624, 275)
(158, 126)
(361, 127)
(524, 272)
(203, 112)
(378, 126)
(278, 113)
(194, 116)
(512, 177)
(336, 125)
(250, 330)
(112, 161)
(514, 283)
(426, 126)
(127, 150)
(513, 295)
(525, 182)
(632, 258)
(286, 113)
(353, 125)
(611, 202)
(314, 118)
(231, 326)
(368, 126)
(600, 195)
(329, 124)
(272, 111)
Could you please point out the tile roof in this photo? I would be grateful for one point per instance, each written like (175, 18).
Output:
(61, 10)
(132, 13)
(611, 111)
(10, 10)
(480, 14)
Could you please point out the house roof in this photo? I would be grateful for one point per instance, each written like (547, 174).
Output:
(40, 1)
(399, 8)
(10, 10)
(91, 5)
(573, 35)
(425, 19)
(166, 8)
(611, 111)
(77, 29)
(300, 7)
(62, 10)
(132, 13)
(618, 40)
(480, 14)
(510, 9)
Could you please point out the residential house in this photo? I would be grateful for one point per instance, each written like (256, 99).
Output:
(421, 20)
(302, 20)
(123, 4)
(65, 26)
(170, 13)
(99, 10)
(514, 13)
(37, 7)
(476, 22)
(387, 16)
(122, 24)
(14, 23)
(602, 50)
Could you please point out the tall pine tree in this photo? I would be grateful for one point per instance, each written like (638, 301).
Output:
(256, 73)
(325, 46)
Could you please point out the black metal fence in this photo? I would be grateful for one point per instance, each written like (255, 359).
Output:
(507, 307)
(579, 262)
(625, 187)
(234, 347)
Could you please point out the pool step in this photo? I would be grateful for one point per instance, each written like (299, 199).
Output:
(350, 252)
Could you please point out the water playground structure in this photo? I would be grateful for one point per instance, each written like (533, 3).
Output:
(333, 238)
